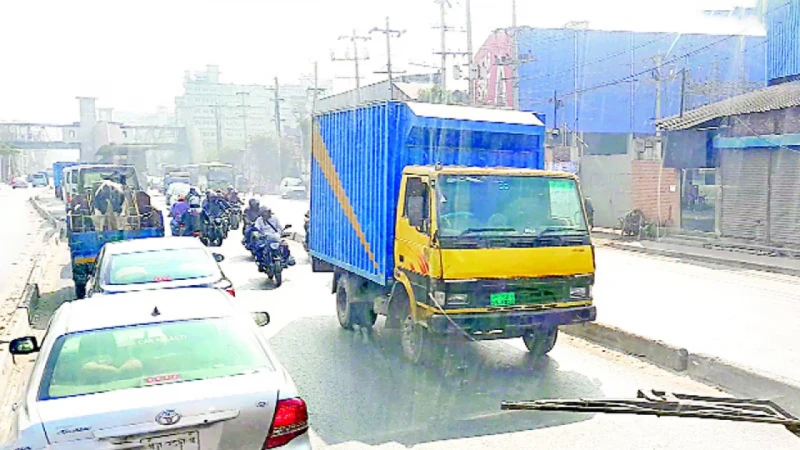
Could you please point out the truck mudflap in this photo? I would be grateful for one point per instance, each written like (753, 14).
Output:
(502, 325)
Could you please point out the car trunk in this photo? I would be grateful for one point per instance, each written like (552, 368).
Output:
(236, 411)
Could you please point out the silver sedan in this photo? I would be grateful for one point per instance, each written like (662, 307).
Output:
(157, 370)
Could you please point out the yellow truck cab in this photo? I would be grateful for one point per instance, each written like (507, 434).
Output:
(482, 252)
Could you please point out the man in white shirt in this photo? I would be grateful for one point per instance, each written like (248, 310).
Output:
(268, 225)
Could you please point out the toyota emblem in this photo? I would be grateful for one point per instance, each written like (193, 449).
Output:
(168, 417)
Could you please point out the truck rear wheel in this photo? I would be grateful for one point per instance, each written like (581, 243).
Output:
(348, 311)
(540, 342)
(80, 290)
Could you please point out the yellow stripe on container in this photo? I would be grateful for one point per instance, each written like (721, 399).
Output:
(320, 153)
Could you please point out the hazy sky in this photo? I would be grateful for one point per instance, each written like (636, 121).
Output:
(132, 54)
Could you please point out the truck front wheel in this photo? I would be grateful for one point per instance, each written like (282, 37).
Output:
(418, 343)
(540, 342)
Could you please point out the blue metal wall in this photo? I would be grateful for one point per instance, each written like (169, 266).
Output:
(783, 35)
(358, 157)
(615, 83)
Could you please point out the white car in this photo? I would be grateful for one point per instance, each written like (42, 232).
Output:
(293, 188)
(170, 369)
(175, 190)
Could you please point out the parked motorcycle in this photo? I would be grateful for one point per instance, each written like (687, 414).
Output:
(272, 256)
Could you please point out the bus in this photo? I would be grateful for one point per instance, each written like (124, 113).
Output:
(215, 175)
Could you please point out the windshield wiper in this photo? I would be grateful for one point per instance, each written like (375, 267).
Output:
(572, 231)
(660, 403)
(486, 230)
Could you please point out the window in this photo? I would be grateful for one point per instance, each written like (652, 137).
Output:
(147, 355)
(164, 265)
(415, 207)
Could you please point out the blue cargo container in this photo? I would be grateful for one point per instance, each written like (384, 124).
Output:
(58, 173)
(358, 156)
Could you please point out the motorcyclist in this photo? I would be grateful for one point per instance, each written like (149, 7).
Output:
(232, 196)
(251, 214)
(268, 226)
(213, 205)
(177, 211)
(194, 198)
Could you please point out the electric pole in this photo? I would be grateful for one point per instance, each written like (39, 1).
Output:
(355, 39)
(515, 57)
(470, 74)
(278, 126)
(389, 34)
(443, 26)
(244, 95)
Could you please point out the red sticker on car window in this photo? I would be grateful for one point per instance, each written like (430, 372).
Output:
(159, 379)
(157, 279)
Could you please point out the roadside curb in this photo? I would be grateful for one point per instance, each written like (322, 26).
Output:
(21, 320)
(729, 377)
(705, 259)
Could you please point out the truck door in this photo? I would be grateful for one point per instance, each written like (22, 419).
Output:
(412, 234)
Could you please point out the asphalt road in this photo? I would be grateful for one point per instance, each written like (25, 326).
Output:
(362, 394)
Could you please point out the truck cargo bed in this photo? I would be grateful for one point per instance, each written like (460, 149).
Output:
(358, 156)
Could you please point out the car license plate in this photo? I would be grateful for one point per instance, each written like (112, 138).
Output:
(503, 299)
(180, 441)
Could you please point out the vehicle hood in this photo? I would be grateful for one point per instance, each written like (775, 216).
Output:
(506, 263)
(229, 408)
(195, 282)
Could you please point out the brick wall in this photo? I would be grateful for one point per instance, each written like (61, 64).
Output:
(644, 184)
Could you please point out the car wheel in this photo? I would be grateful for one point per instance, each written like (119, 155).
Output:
(541, 341)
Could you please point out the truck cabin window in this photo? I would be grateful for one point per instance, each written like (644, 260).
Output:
(509, 205)
(416, 204)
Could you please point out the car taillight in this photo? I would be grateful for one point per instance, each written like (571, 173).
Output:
(290, 420)
(231, 291)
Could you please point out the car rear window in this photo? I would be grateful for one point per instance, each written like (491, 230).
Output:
(153, 354)
(160, 266)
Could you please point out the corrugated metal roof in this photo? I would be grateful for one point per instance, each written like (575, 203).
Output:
(372, 93)
(780, 96)
(459, 112)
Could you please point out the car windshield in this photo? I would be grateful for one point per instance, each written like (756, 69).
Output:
(179, 188)
(148, 355)
(517, 205)
(160, 266)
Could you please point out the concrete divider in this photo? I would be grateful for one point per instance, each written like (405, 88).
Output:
(736, 380)
(656, 352)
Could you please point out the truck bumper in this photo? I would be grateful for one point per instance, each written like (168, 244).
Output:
(508, 324)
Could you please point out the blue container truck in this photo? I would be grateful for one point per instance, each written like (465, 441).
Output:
(58, 174)
(440, 218)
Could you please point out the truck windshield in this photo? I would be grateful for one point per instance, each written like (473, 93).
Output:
(509, 205)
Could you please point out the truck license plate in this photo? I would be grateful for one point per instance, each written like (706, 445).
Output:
(503, 299)
(180, 441)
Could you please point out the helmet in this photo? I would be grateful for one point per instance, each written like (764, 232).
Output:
(230, 187)
(253, 203)
(264, 209)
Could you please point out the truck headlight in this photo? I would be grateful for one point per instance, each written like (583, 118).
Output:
(582, 292)
(457, 299)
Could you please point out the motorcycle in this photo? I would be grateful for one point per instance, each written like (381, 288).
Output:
(189, 225)
(273, 256)
(236, 215)
(213, 232)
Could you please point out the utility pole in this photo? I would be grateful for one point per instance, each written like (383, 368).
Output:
(515, 57)
(244, 95)
(389, 34)
(355, 39)
(470, 74)
(443, 26)
(278, 126)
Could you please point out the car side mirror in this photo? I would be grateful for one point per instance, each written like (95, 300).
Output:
(23, 346)
(260, 318)
(218, 257)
